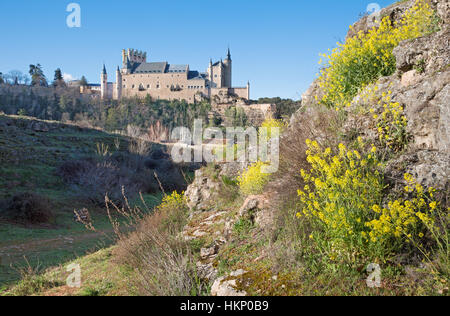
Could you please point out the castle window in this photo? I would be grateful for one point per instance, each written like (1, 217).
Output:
(132, 87)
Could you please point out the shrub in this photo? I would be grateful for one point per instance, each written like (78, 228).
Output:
(32, 282)
(318, 122)
(270, 123)
(391, 123)
(338, 192)
(163, 262)
(253, 180)
(29, 208)
(368, 56)
(343, 199)
(410, 219)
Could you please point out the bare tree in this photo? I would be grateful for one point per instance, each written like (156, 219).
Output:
(15, 77)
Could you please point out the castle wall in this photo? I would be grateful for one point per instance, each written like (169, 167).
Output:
(159, 85)
(240, 92)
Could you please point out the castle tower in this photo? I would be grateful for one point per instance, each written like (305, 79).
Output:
(118, 84)
(210, 70)
(228, 70)
(248, 90)
(104, 83)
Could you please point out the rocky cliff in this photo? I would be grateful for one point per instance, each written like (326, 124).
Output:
(420, 85)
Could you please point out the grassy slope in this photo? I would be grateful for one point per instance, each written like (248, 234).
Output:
(100, 276)
(28, 163)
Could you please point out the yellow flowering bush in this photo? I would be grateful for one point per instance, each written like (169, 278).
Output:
(173, 201)
(343, 198)
(367, 56)
(172, 212)
(391, 123)
(253, 180)
(270, 123)
(405, 220)
(339, 191)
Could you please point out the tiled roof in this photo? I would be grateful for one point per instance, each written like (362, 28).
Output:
(195, 75)
(177, 68)
(151, 68)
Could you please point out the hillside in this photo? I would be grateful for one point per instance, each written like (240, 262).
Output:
(48, 170)
(359, 205)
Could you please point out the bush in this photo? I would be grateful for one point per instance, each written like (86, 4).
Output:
(252, 180)
(344, 199)
(270, 123)
(391, 124)
(368, 56)
(163, 261)
(92, 179)
(29, 208)
(318, 122)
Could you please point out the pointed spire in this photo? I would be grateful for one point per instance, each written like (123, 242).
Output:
(104, 69)
(118, 68)
(229, 53)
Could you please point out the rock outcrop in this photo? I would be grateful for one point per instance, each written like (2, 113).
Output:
(421, 86)
(202, 192)
(226, 286)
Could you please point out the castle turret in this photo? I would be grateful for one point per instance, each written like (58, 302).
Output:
(248, 90)
(118, 91)
(228, 65)
(210, 70)
(104, 83)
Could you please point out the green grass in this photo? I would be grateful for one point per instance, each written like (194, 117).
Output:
(28, 163)
(99, 277)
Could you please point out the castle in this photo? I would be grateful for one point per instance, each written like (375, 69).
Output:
(161, 80)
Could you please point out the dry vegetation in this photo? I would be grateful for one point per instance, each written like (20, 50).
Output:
(163, 262)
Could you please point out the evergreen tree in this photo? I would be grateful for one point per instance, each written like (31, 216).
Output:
(37, 76)
(58, 80)
(83, 81)
(58, 75)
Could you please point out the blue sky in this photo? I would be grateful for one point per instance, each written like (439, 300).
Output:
(274, 44)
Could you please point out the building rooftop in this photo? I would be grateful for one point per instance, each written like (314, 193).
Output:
(195, 75)
(178, 68)
(159, 67)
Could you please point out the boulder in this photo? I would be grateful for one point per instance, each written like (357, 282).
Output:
(201, 193)
(258, 209)
(226, 286)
